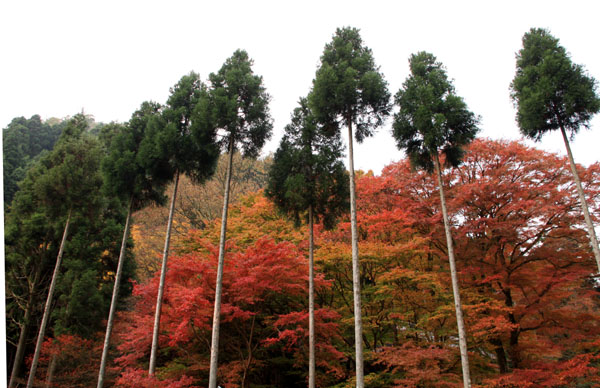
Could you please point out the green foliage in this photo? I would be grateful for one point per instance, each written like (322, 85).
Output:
(72, 178)
(238, 106)
(123, 167)
(23, 140)
(431, 116)
(65, 179)
(549, 90)
(306, 170)
(175, 141)
(348, 87)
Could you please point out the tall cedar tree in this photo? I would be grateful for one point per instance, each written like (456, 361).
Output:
(349, 90)
(237, 107)
(307, 176)
(551, 93)
(68, 184)
(433, 119)
(174, 144)
(32, 236)
(126, 178)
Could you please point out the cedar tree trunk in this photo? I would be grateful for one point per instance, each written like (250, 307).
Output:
(584, 206)
(161, 285)
(355, 269)
(113, 303)
(40, 339)
(214, 348)
(462, 340)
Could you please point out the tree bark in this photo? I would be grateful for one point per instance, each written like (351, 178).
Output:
(500, 355)
(214, 348)
(311, 301)
(584, 206)
(355, 269)
(161, 285)
(51, 369)
(115, 295)
(46, 316)
(462, 338)
(24, 329)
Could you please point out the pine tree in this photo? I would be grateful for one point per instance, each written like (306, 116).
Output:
(125, 177)
(433, 118)
(307, 176)
(553, 93)
(237, 107)
(176, 144)
(69, 183)
(349, 90)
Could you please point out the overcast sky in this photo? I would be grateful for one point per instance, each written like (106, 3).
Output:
(107, 57)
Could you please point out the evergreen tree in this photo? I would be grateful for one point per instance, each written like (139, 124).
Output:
(349, 90)
(552, 93)
(307, 176)
(125, 177)
(32, 236)
(237, 107)
(68, 183)
(433, 118)
(34, 228)
(176, 143)
(22, 141)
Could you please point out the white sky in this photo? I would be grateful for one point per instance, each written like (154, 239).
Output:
(107, 57)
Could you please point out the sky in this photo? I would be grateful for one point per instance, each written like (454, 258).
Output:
(107, 57)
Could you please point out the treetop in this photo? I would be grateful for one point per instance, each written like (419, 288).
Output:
(550, 92)
(238, 106)
(432, 117)
(348, 87)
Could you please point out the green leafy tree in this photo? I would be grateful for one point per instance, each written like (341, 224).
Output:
(32, 236)
(69, 181)
(307, 176)
(552, 93)
(177, 143)
(126, 177)
(237, 107)
(433, 119)
(23, 140)
(348, 90)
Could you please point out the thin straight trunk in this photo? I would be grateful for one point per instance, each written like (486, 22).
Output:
(51, 369)
(46, 316)
(462, 338)
(161, 285)
(311, 301)
(214, 347)
(115, 295)
(584, 206)
(355, 270)
(24, 329)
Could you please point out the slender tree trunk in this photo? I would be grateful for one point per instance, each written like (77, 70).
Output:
(161, 285)
(584, 206)
(311, 301)
(46, 316)
(355, 269)
(20, 348)
(214, 347)
(51, 369)
(115, 295)
(24, 329)
(462, 338)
